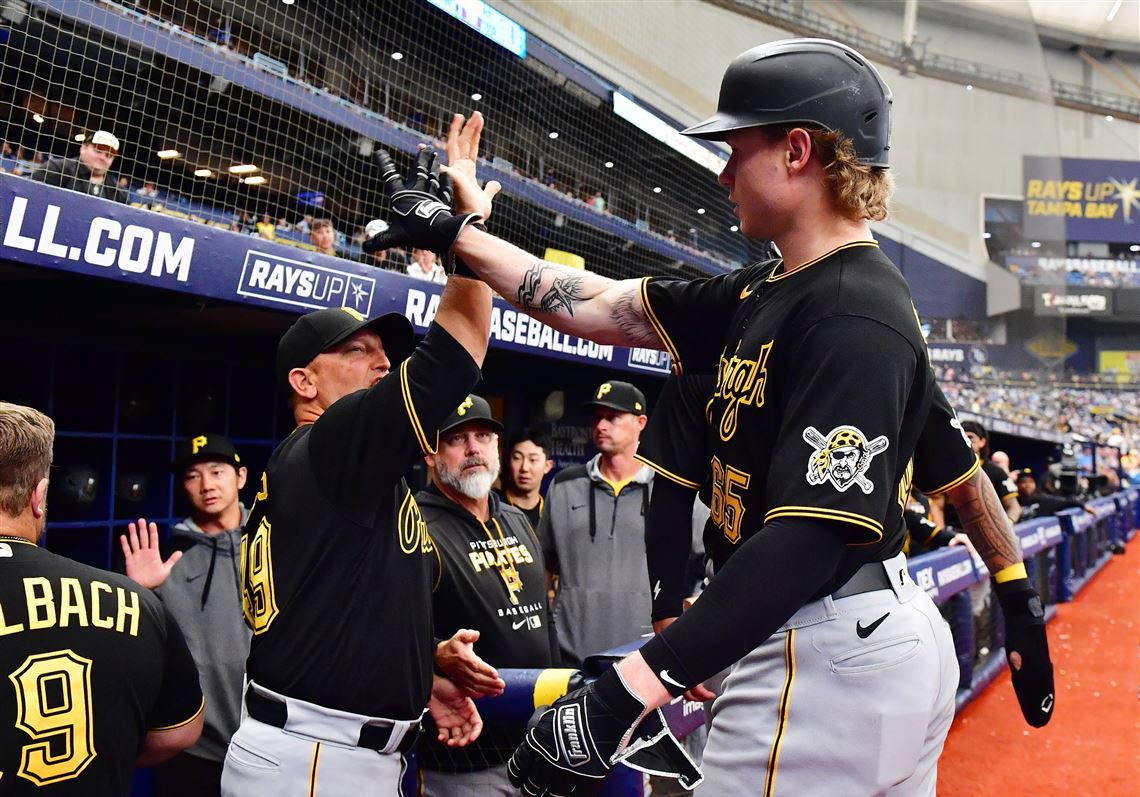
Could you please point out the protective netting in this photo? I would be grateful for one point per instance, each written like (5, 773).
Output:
(265, 117)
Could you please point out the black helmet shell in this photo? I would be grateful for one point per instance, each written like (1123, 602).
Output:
(805, 81)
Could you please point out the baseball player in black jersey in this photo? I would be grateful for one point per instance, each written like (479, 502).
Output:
(491, 579)
(338, 565)
(95, 677)
(823, 387)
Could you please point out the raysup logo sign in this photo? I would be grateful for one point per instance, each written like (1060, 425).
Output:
(284, 281)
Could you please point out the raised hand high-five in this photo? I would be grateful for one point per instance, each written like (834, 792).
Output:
(144, 561)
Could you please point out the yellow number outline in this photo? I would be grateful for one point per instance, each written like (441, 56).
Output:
(726, 505)
(258, 595)
(43, 723)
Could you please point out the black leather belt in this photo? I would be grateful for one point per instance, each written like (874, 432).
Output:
(372, 737)
(868, 578)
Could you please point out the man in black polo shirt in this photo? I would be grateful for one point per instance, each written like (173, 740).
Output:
(491, 580)
(95, 677)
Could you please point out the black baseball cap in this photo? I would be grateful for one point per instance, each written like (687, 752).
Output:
(320, 330)
(204, 448)
(472, 408)
(620, 396)
(1026, 473)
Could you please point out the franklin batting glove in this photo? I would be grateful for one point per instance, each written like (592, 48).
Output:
(573, 745)
(1025, 634)
(421, 211)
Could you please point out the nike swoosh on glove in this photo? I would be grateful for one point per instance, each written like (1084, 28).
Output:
(573, 745)
(421, 209)
(1025, 634)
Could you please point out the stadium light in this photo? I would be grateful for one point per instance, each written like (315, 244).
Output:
(700, 211)
(397, 56)
(80, 137)
(734, 228)
(287, 2)
(969, 87)
(38, 118)
(609, 164)
(257, 179)
(244, 168)
(553, 134)
(1134, 248)
(987, 235)
(203, 173)
(1112, 11)
(476, 96)
(657, 189)
(168, 154)
(1108, 117)
(1036, 244)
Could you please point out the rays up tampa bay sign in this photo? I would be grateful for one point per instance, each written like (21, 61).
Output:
(1081, 199)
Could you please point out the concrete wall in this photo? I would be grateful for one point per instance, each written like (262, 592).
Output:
(950, 145)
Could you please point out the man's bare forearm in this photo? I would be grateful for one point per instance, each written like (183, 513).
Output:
(984, 520)
(573, 301)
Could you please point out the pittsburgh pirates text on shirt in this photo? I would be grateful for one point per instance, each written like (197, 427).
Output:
(68, 603)
(498, 553)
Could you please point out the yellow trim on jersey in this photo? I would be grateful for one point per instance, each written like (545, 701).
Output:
(1010, 573)
(658, 328)
(782, 721)
(828, 514)
(774, 277)
(551, 684)
(177, 725)
(410, 408)
(944, 488)
(313, 769)
(673, 477)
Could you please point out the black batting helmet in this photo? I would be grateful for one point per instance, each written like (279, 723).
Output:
(805, 81)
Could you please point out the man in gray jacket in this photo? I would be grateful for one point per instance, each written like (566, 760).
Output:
(204, 594)
(593, 532)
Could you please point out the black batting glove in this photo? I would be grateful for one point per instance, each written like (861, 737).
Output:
(1025, 634)
(421, 209)
(572, 746)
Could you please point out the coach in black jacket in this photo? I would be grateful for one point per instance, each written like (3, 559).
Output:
(87, 174)
(491, 579)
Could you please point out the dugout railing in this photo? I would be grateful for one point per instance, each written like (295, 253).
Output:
(1062, 553)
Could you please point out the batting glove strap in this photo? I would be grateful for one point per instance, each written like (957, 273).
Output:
(654, 750)
(1024, 616)
(572, 745)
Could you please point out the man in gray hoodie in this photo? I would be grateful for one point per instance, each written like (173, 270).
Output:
(204, 594)
(593, 532)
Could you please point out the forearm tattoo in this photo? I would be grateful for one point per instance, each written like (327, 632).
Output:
(563, 294)
(984, 520)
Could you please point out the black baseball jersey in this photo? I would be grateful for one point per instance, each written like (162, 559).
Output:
(90, 662)
(337, 563)
(943, 458)
(823, 386)
(675, 441)
(491, 578)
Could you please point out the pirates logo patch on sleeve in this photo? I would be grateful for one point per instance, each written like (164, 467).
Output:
(842, 457)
